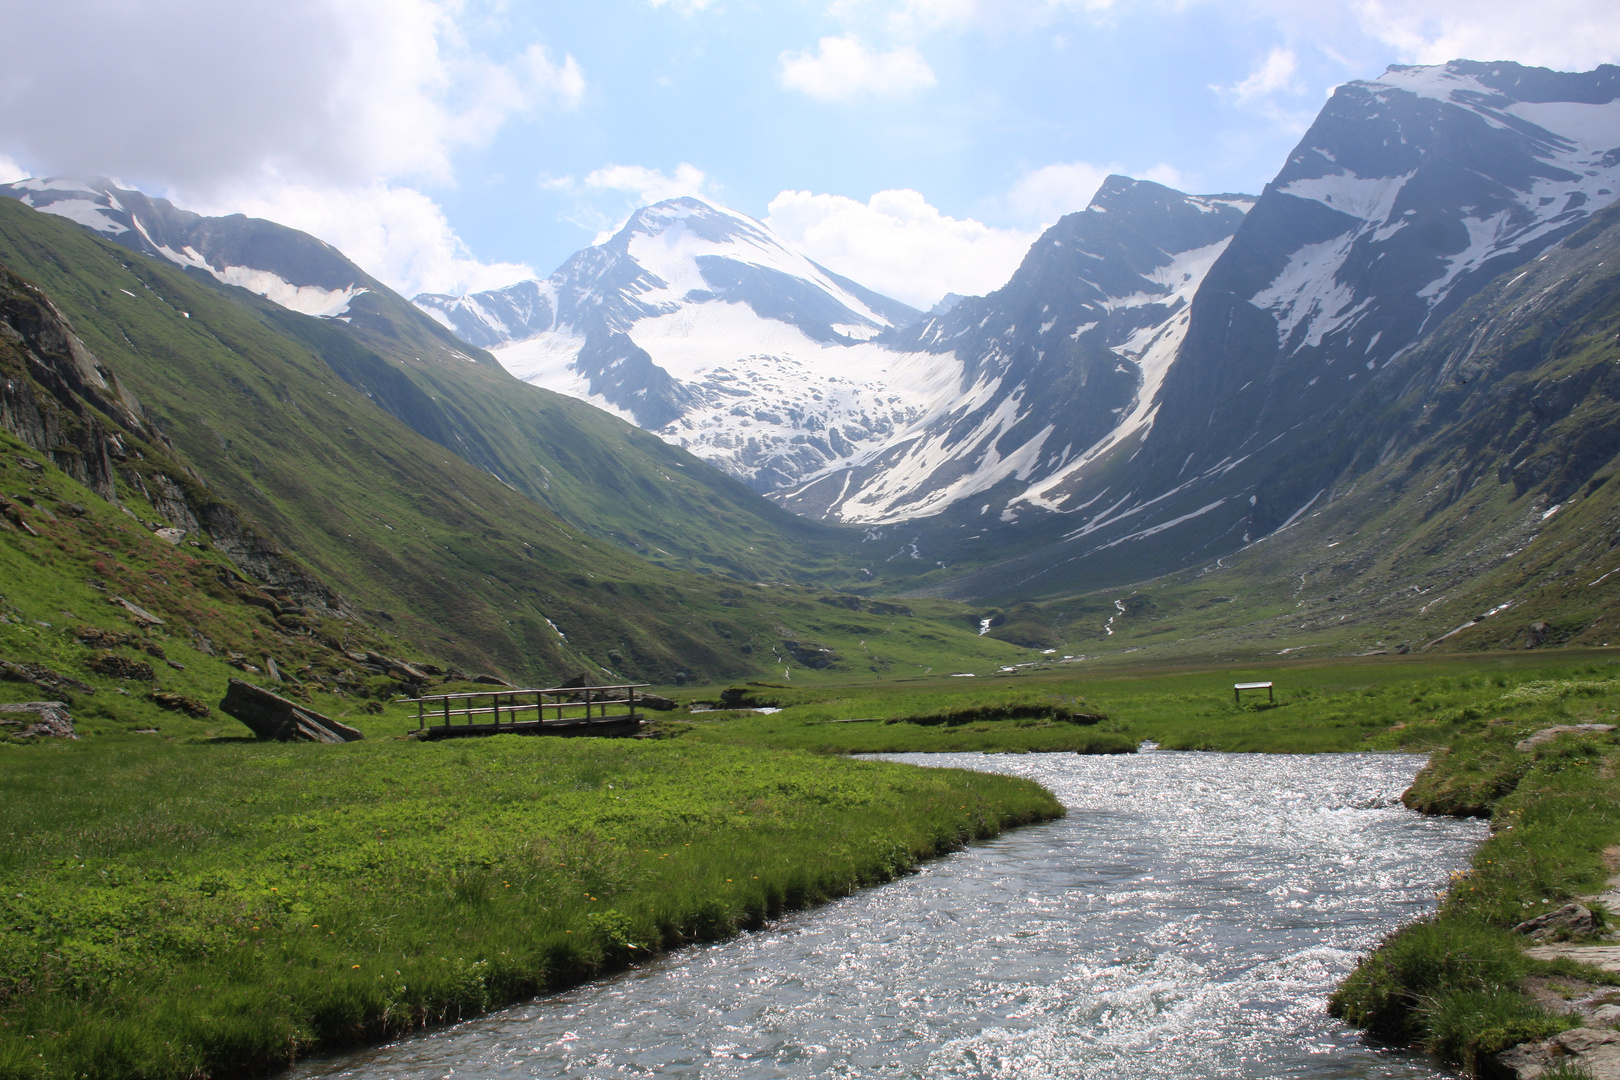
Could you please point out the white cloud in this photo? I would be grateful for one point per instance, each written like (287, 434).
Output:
(10, 171)
(649, 185)
(335, 91)
(898, 244)
(843, 69)
(1566, 34)
(397, 234)
(1168, 175)
(1273, 88)
(320, 114)
(1275, 73)
(926, 15)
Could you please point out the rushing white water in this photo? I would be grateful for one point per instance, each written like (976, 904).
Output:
(1186, 920)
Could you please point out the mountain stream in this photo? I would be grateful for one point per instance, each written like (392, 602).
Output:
(1188, 919)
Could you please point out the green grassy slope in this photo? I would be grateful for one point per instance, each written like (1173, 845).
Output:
(597, 472)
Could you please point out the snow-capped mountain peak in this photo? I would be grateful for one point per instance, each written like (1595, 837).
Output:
(1059, 365)
(1441, 176)
(698, 322)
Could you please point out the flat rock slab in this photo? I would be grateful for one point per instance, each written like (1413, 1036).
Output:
(1547, 735)
(1595, 1050)
(1606, 957)
(271, 716)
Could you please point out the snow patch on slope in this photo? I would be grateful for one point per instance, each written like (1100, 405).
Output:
(92, 215)
(96, 210)
(1153, 349)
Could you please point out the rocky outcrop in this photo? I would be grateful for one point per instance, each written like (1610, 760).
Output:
(42, 677)
(1562, 924)
(52, 388)
(1595, 1051)
(37, 718)
(58, 398)
(120, 667)
(271, 716)
(181, 704)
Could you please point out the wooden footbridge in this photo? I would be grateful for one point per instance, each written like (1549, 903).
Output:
(601, 711)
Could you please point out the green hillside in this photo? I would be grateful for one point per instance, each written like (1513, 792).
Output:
(429, 547)
(597, 472)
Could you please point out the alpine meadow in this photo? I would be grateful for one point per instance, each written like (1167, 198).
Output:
(1025, 621)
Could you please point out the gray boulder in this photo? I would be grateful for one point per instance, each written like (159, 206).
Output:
(1569, 921)
(271, 716)
(1595, 1051)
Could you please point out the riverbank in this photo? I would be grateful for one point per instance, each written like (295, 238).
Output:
(215, 910)
(1461, 984)
(1185, 920)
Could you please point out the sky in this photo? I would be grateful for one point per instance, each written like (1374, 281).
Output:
(917, 146)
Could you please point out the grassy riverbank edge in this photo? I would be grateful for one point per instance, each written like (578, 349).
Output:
(1459, 984)
(221, 911)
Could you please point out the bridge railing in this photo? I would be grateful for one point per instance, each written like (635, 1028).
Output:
(511, 706)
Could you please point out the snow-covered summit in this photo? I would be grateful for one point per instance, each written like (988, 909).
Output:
(285, 266)
(1411, 190)
(698, 323)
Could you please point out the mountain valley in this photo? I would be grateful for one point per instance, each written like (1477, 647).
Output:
(1177, 405)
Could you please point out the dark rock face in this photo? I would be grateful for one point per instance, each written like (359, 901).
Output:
(1406, 198)
(811, 654)
(1052, 362)
(37, 718)
(271, 716)
(49, 383)
(622, 371)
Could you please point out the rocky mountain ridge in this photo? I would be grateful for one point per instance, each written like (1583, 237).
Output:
(1406, 197)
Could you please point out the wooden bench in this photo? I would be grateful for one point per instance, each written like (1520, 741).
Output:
(1238, 688)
